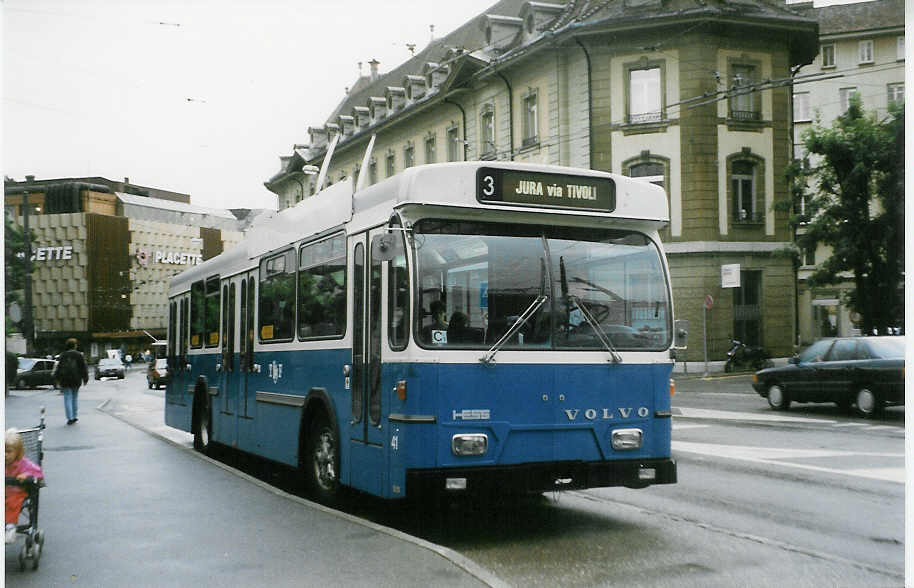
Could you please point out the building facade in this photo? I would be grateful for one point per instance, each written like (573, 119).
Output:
(103, 253)
(682, 94)
(861, 52)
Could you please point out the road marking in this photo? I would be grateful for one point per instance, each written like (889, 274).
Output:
(726, 415)
(880, 427)
(684, 426)
(850, 424)
(776, 455)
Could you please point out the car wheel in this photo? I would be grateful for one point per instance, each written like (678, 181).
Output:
(778, 398)
(203, 425)
(868, 403)
(21, 384)
(322, 462)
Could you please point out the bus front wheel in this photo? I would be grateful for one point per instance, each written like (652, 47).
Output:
(322, 464)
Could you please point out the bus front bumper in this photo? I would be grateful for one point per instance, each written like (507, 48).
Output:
(543, 477)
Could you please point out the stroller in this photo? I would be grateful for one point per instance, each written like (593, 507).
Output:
(34, 537)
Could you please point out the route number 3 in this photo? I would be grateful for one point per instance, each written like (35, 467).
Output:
(488, 185)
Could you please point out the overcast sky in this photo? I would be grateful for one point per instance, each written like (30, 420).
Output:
(195, 96)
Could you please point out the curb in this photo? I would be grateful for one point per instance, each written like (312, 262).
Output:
(469, 566)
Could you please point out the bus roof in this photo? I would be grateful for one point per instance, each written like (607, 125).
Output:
(443, 184)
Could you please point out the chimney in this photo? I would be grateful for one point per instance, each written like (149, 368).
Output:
(374, 63)
(30, 179)
(126, 180)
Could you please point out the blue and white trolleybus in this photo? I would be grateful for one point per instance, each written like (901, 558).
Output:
(463, 326)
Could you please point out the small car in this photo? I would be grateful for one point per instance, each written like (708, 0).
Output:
(34, 371)
(157, 373)
(108, 368)
(867, 372)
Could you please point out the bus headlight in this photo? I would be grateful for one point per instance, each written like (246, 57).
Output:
(470, 444)
(627, 439)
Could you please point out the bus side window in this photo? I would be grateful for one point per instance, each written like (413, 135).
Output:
(398, 299)
(277, 297)
(196, 314)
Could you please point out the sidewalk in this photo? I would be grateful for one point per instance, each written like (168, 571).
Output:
(129, 502)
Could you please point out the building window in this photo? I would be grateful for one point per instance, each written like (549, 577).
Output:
(747, 311)
(896, 93)
(431, 150)
(644, 95)
(409, 156)
(743, 96)
(828, 55)
(742, 185)
(453, 144)
(373, 172)
(391, 160)
(865, 51)
(801, 109)
(899, 49)
(650, 171)
(844, 95)
(531, 121)
(487, 132)
(809, 256)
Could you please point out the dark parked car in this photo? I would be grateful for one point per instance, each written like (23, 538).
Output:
(864, 371)
(157, 373)
(109, 368)
(34, 371)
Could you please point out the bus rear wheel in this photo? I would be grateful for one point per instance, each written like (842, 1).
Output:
(322, 461)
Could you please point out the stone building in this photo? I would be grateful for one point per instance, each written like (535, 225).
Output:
(683, 93)
(103, 253)
(861, 52)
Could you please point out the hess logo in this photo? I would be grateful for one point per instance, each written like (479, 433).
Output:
(606, 414)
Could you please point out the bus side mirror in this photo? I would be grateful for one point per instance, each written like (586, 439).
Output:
(680, 334)
(385, 247)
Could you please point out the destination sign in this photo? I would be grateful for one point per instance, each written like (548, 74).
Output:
(539, 189)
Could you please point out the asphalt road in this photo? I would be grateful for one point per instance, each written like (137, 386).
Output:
(810, 497)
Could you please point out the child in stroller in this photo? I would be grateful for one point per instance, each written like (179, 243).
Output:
(23, 480)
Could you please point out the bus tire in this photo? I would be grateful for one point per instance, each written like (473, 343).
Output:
(322, 461)
(203, 424)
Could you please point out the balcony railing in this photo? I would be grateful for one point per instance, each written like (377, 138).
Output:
(644, 117)
(745, 217)
(745, 115)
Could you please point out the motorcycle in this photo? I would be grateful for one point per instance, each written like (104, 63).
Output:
(741, 355)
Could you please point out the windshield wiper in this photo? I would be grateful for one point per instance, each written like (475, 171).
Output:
(489, 357)
(597, 329)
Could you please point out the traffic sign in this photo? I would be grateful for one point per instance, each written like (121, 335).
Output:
(709, 302)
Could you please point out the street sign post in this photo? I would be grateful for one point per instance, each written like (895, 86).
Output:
(709, 302)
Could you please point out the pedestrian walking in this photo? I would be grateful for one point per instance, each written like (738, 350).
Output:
(70, 373)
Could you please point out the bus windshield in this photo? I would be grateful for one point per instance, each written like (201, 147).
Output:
(476, 280)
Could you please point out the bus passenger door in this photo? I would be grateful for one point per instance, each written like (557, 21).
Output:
(226, 404)
(367, 462)
(243, 395)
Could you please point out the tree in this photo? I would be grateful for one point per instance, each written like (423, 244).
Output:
(855, 171)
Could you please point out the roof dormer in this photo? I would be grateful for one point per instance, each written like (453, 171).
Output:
(361, 116)
(415, 87)
(318, 137)
(537, 16)
(377, 108)
(435, 75)
(502, 32)
(396, 98)
(332, 129)
(346, 124)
